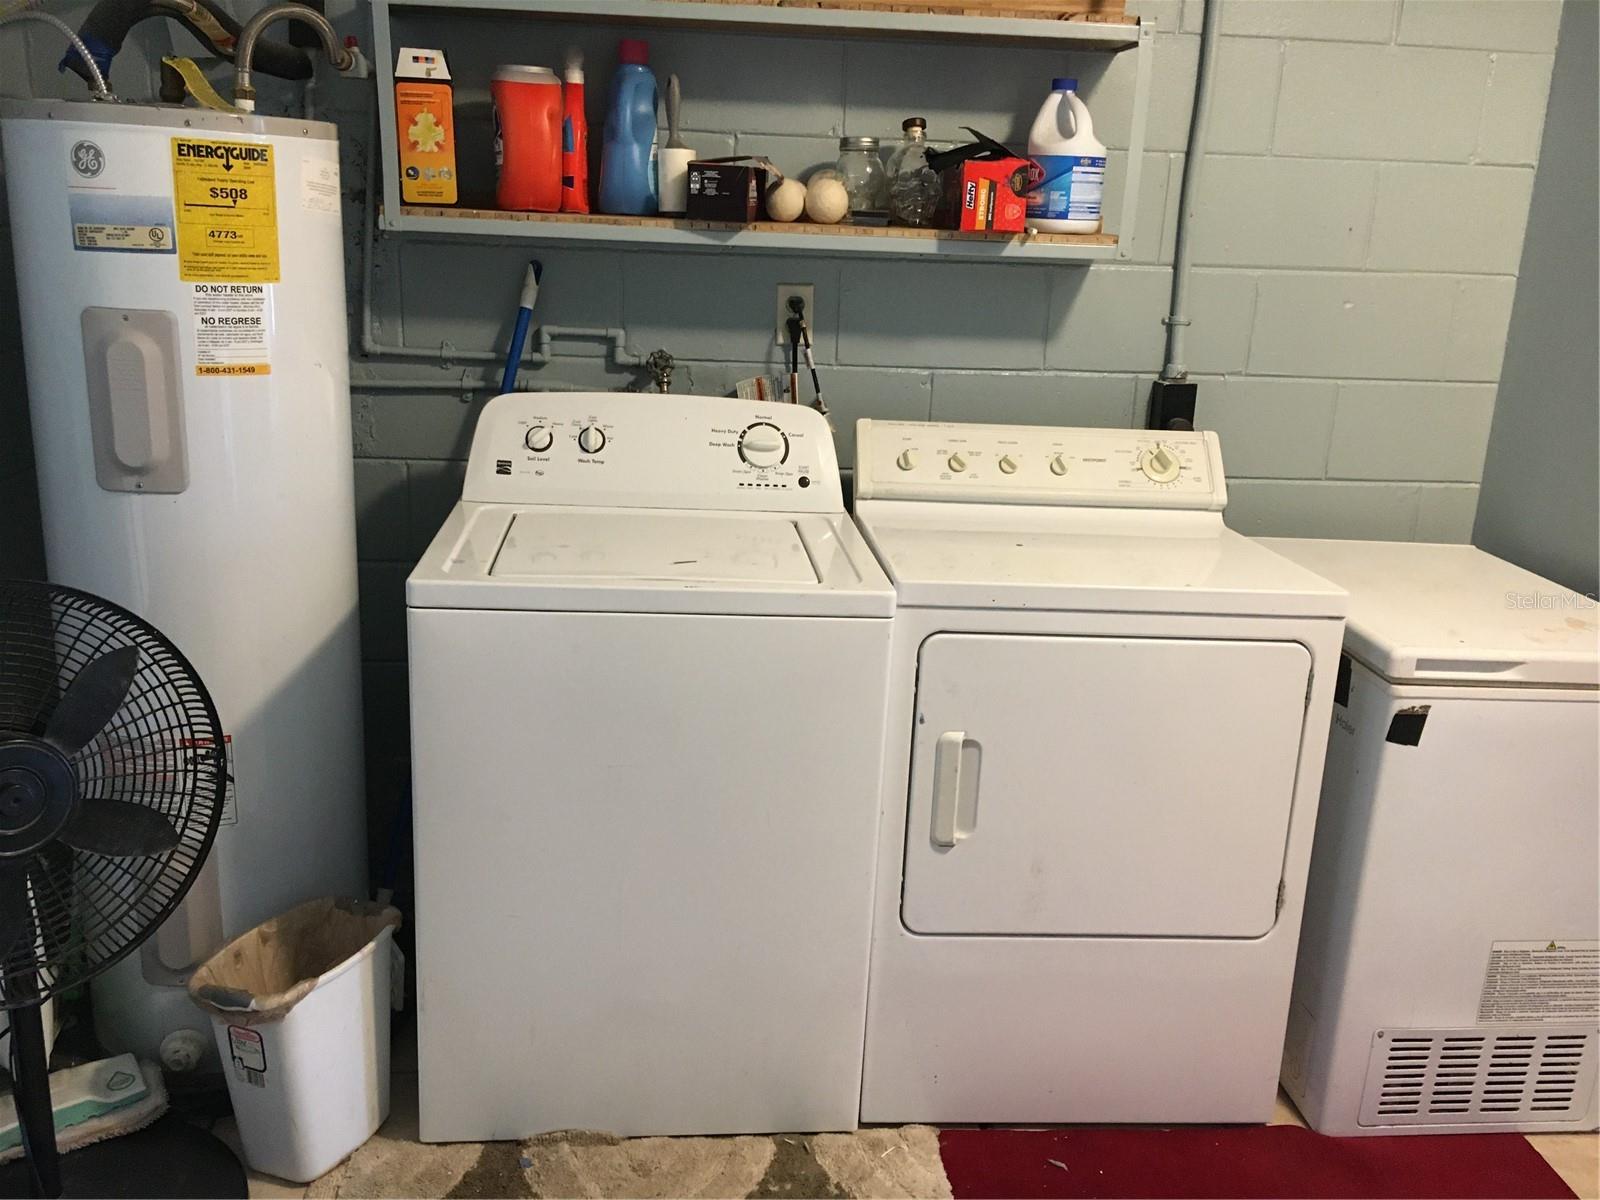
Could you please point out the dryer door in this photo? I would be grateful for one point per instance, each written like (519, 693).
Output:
(1100, 785)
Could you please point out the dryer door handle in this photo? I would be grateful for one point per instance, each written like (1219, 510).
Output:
(956, 759)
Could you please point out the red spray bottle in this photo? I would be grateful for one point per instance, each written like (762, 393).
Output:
(574, 139)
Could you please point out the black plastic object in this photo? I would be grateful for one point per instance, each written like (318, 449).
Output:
(111, 786)
(107, 25)
(170, 1158)
(982, 148)
(1172, 404)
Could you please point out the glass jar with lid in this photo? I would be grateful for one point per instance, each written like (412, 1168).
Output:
(864, 175)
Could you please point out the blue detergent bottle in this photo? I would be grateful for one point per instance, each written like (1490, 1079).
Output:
(627, 164)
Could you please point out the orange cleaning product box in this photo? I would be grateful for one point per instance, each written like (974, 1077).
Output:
(987, 195)
(425, 127)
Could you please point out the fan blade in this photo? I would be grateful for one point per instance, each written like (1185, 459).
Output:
(16, 914)
(118, 829)
(92, 699)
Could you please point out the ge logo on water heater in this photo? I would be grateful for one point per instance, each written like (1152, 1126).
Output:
(88, 159)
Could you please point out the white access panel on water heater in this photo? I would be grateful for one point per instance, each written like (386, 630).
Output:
(181, 281)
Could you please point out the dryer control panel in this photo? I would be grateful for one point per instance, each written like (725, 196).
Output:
(1038, 464)
(633, 450)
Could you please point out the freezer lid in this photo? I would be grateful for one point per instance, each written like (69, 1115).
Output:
(645, 545)
(1422, 612)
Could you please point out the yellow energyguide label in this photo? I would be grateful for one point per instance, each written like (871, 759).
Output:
(227, 211)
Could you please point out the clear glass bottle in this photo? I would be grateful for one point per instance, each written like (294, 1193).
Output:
(913, 185)
(864, 175)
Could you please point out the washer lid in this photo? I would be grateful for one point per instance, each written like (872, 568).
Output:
(1104, 560)
(653, 546)
(1447, 613)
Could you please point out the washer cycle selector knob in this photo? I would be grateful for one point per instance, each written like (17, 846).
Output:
(1007, 465)
(1058, 465)
(539, 438)
(763, 445)
(906, 461)
(591, 440)
(1160, 465)
(957, 463)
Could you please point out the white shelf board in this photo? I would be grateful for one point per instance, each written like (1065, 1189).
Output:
(1108, 36)
(764, 236)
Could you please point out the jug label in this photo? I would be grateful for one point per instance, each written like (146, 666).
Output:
(1066, 187)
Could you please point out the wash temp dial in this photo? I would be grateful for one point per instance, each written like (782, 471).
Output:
(1160, 464)
(591, 439)
(763, 445)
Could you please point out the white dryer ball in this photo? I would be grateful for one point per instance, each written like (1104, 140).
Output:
(827, 201)
(786, 201)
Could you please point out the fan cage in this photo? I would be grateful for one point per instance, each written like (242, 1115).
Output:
(162, 750)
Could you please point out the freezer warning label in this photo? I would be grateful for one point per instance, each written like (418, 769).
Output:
(230, 329)
(1556, 982)
(227, 210)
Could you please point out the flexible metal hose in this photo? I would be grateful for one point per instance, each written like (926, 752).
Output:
(97, 81)
(244, 92)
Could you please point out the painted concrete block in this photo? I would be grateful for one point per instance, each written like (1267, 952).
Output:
(1513, 109)
(1350, 101)
(1421, 431)
(432, 490)
(884, 395)
(1529, 25)
(1030, 398)
(1310, 20)
(709, 306)
(1284, 212)
(382, 606)
(1384, 512)
(1242, 98)
(1269, 428)
(1445, 513)
(381, 509)
(1344, 326)
(1436, 217)
(796, 155)
(1478, 327)
(1152, 218)
(943, 314)
(420, 425)
(1109, 319)
(465, 293)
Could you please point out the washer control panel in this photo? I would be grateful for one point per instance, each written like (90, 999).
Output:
(631, 450)
(1039, 464)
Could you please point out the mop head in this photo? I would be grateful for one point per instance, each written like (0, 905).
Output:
(93, 1103)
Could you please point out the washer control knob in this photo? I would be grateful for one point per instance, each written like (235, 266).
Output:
(763, 445)
(539, 438)
(906, 461)
(591, 439)
(957, 464)
(1160, 464)
(1007, 465)
(1058, 465)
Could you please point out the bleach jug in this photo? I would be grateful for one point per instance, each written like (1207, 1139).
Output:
(627, 163)
(1069, 165)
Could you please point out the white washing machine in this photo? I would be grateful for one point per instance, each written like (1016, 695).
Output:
(1449, 972)
(1106, 724)
(648, 663)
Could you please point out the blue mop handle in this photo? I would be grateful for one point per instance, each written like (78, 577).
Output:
(519, 335)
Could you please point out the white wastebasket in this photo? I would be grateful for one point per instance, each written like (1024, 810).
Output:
(300, 1006)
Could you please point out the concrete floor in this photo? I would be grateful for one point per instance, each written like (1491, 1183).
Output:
(1575, 1156)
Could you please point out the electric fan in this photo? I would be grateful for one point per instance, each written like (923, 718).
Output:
(111, 783)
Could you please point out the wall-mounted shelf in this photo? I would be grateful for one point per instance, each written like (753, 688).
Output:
(768, 236)
(1108, 37)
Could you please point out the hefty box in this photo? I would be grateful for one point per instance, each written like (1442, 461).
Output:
(425, 124)
(987, 195)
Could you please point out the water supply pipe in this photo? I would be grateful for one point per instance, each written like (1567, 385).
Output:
(1177, 319)
(29, 12)
(244, 92)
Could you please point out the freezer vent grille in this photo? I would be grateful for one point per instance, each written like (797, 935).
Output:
(1483, 1075)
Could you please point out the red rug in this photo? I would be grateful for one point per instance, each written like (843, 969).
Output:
(1241, 1161)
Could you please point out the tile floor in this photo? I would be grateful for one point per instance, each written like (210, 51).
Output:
(1575, 1156)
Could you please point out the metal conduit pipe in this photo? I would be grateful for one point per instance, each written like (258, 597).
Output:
(1177, 319)
(244, 92)
(446, 354)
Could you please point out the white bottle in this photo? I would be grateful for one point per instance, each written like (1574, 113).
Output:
(1069, 165)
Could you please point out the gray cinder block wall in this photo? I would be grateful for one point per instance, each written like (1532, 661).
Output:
(1361, 226)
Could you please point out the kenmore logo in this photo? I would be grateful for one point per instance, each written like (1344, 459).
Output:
(226, 151)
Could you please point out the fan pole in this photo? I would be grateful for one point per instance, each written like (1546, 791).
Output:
(30, 1089)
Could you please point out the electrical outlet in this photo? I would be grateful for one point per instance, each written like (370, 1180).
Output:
(805, 291)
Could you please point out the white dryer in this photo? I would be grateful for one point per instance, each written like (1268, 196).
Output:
(648, 656)
(1106, 724)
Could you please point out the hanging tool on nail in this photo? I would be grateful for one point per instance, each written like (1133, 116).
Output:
(800, 340)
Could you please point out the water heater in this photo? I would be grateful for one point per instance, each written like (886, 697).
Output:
(181, 279)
